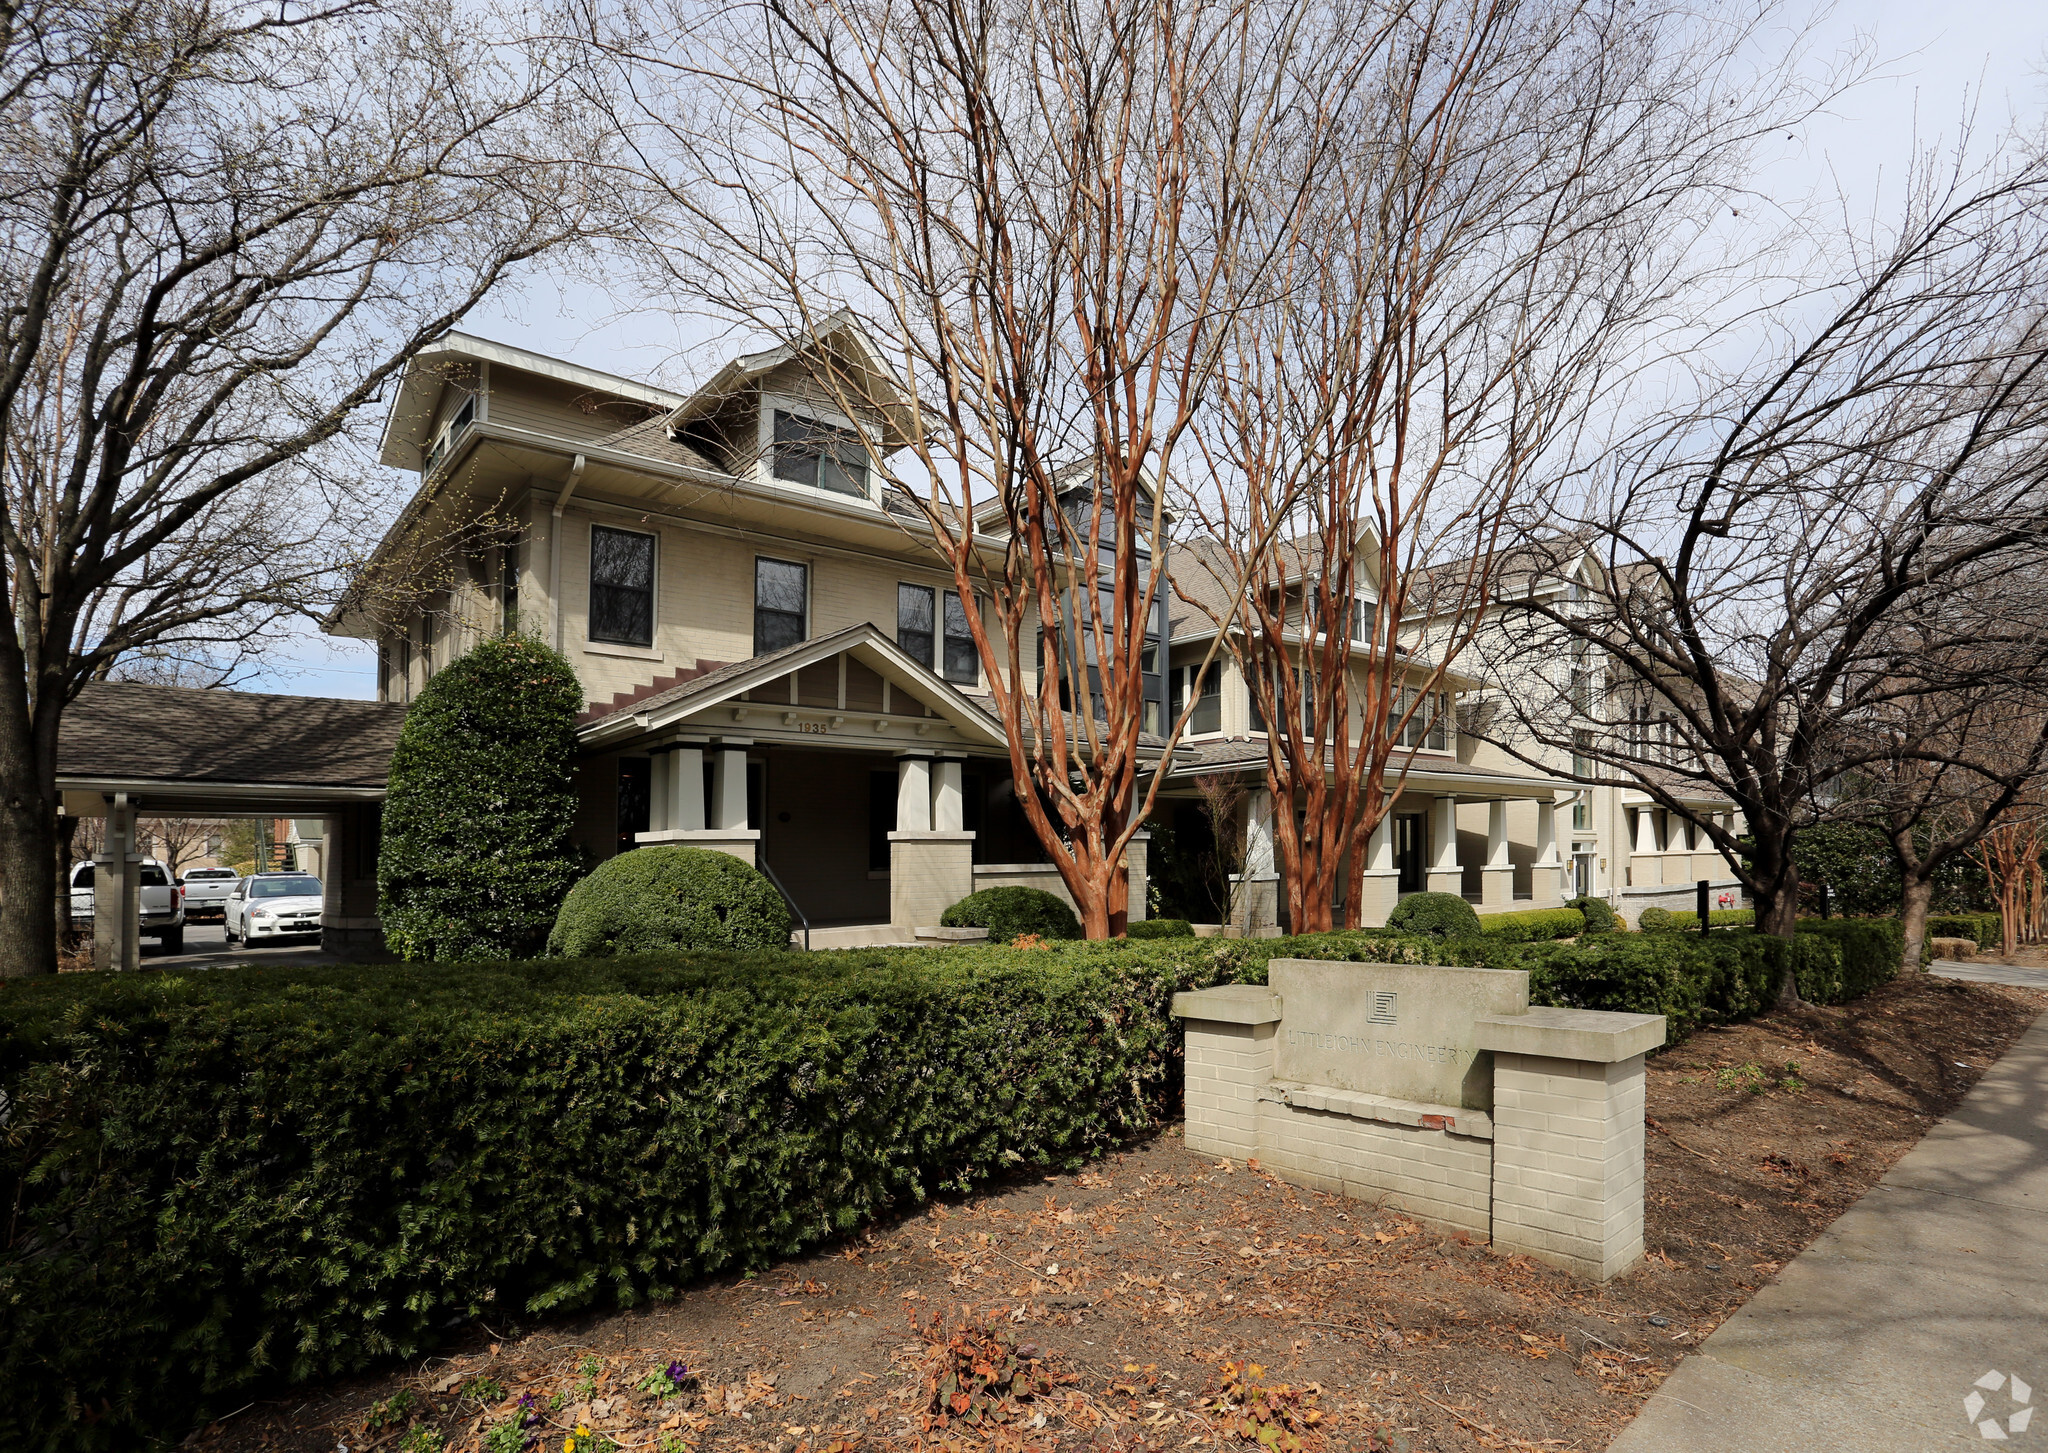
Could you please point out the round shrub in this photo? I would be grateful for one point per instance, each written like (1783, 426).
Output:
(1438, 915)
(658, 898)
(1600, 917)
(1656, 920)
(1009, 913)
(476, 853)
(1160, 928)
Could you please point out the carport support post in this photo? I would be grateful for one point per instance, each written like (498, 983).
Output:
(116, 896)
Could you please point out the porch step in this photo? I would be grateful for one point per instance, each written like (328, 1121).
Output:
(855, 935)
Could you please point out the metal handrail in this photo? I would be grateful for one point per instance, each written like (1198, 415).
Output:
(763, 866)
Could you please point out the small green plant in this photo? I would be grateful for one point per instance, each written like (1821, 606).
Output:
(506, 1437)
(586, 1376)
(1790, 1079)
(1743, 1077)
(486, 1390)
(423, 1439)
(673, 1443)
(585, 1441)
(666, 1382)
(401, 1407)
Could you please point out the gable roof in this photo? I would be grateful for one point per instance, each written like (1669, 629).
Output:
(871, 378)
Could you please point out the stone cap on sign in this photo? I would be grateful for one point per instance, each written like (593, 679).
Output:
(1229, 1004)
(936, 934)
(1455, 1119)
(1594, 1035)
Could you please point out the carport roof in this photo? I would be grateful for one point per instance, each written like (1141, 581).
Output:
(129, 736)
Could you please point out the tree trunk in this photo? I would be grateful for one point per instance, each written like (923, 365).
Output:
(1778, 915)
(28, 881)
(1913, 905)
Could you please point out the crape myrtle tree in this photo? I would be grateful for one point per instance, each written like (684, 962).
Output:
(1520, 202)
(226, 228)
(1777, 563)
(1038, 214)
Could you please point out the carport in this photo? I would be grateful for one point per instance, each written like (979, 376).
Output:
(132, 750)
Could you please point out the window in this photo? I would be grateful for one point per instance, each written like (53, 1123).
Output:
(780, 592)
(963, 661)
(621, 586)
(824, 456)
(1582, 679)
(1429, 728)
(1208, 713)
(914, 623)
(508, 583)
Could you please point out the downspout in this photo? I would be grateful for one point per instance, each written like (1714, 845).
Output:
(555, 554)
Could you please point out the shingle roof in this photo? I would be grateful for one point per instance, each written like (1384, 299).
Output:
(1226, 753)
(131, 731)
(650, 440)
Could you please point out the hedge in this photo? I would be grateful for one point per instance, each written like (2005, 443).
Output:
(1534, 925)
(1871, 952)
(665, 897)
(1687, 920)
(1010, 912)
(1600, 914)
(1987, 930)
(1160, 928)
(257, 1176)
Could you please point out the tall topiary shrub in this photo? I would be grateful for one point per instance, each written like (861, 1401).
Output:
(1012, 911)
(476, 855)
(1600, 915)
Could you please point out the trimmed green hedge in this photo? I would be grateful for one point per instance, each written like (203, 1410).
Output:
(1871, 952)
(1534, 925)
(662, 898)
(1987, 930)
(1160, 928)
(231, 1180)
(1600, 914)
(1440, 915)
(1009, 913)
(1687, 920)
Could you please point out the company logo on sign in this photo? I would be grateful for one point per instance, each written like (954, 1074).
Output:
(2019, 1396)
(1383, 1003)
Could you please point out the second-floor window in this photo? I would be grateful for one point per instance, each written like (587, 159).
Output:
(621, 586)
(1429, 728)
(962, 660)
(916, 619)
(1208, 713)
(920, 613)
(781, 590)
(824, 456)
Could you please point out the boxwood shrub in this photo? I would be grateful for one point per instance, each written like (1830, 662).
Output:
(1600, 914)
(1870, 950)
(1010, 912)
(1987, 930)
(252, 1177)
(664, 897)
(1160, 928)
(1533, 925)
(1657, 920)
(1440, 915)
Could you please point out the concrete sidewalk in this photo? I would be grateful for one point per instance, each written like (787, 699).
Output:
(1977, 971)
(1931, 1287)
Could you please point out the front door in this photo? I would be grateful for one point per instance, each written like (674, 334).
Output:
(1411, 833)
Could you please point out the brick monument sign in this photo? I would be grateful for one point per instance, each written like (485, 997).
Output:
(1436, 1090)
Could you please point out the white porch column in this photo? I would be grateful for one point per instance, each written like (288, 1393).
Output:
(116, 892)
(1382, 886)
(1546, 874)
(729, 789)
(913, 794)
(1646, 830)
(1444, 874)
(1497, 878)
(686, 789)
(1260, 908)
(947, 810)
(659, 791)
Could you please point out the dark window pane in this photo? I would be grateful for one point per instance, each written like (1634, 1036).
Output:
(634, 797)
(914, 622)
(621, 586)
(808, 451)
(779, 588)
(963, 661)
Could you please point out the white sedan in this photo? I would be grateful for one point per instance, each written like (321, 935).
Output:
(272, 905)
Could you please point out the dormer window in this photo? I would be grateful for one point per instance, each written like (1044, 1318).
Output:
(464, 417)
(821, 455)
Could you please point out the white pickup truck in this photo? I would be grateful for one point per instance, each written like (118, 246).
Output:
(162, 906)
(206, 892)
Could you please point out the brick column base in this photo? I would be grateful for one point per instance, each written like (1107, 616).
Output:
(1229, 1057)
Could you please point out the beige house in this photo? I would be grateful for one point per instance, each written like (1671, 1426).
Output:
(775, 663)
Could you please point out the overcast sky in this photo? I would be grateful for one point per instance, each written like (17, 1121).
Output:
(1933, 63)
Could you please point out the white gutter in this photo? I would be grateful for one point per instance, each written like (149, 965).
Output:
(555, 554)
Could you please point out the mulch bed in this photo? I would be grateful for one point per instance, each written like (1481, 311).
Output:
(1165, 1300)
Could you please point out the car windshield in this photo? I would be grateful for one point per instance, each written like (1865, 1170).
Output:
(209, 874)
(285, 888)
